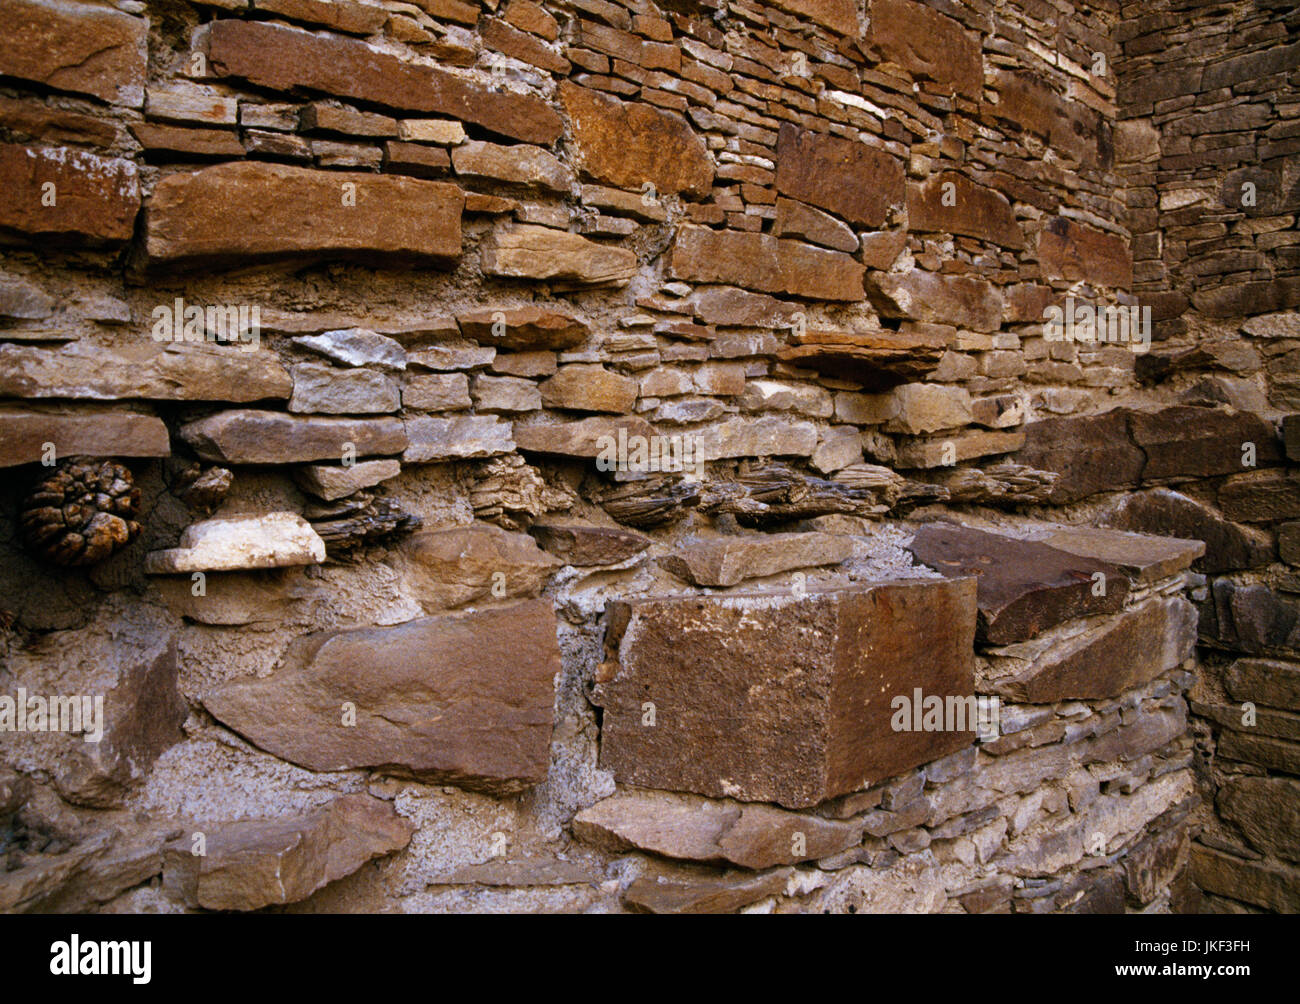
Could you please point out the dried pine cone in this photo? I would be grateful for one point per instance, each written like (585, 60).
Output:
(81, 513)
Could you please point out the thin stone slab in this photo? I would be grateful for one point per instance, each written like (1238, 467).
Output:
(247, 436)
(27, 435)
(725, 561)
(1025, 587)
(781, 697)
(1144, 557)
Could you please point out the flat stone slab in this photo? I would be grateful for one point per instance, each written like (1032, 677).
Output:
(464, 699)
(1025, 587)
(331, 481)
(1101, 661)
(725, 561)
(780, 697)
(1143, 557)
(247, 436)
(583, 544)
(255, 863)
(96, 432)
(696, 829)
(275, 540)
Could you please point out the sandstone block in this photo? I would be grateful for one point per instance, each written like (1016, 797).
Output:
(82, 48)
(450, 568)
(781, 698)
(523, 251)
(725, 561)
(764, 263)
(246, 436)
(463, 699)
(1025, 587)
(257, 863)
(627, 144)
(289, 59)
(25, 431)
(95, 198)
(238, 211)
(856, 182)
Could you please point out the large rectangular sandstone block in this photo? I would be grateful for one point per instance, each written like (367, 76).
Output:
(779, 697)
(237, 211)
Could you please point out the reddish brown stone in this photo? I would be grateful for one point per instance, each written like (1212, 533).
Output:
(1121, 653)
(794, 707)
(524, 329)
(1072, 251)
(54, 125)
(24, 433)
(83, 48)
(951, 203)
(654, 892)
(190, 142)
(928, 45)
(1227, 547)
(1025, 587)
(60, 192)
(288, 59)
(1185, 442)
(1068, 127)
(939, 299)
(852, 180)
(626, 144)
(260, 862)
(1091, 453)
(764, 263)
(463, 699)
(838, 15)
(238, 211)
(878, 360)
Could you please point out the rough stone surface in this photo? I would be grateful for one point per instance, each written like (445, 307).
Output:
(764, 263)
(719, 692)
(585, 545)
(524, 329)
(854, 181)
(1024, 587)
(93, 432)
(95, 198)
(531, 252)
(462, 699)
(251, 210)
(450, 568)
(82, 48)
(288, 59)
(628, 144)
(256, 863)
(245, 436)
(694, 829)
(937, 299)
(330, 482)
(274, 540)
(726, 561)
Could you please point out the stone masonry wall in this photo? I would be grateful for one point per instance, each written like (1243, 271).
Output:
(342, 345)
(1209, 138)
